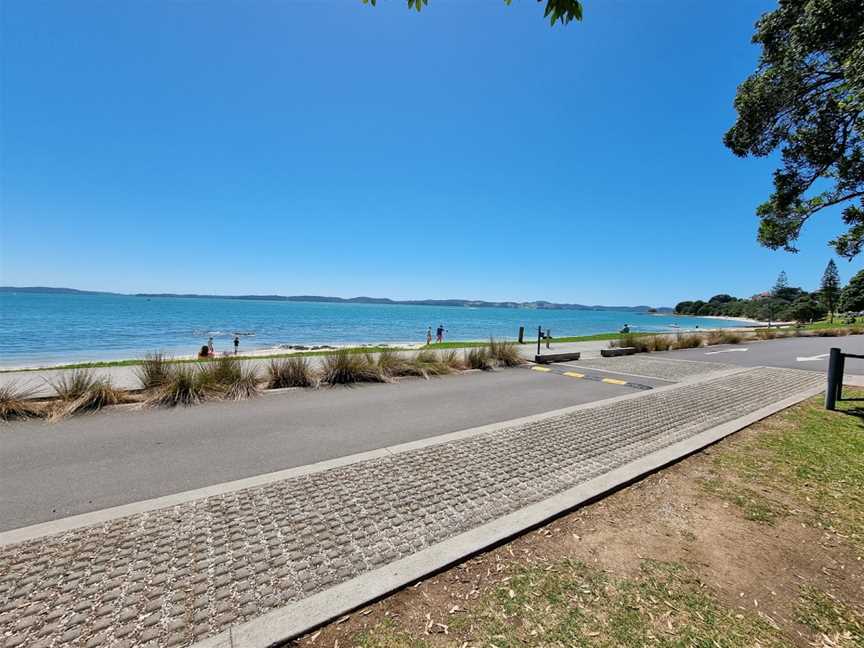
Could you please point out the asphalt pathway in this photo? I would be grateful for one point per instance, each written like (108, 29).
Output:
(50, 471)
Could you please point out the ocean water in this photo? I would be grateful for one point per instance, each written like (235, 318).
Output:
(45, 328)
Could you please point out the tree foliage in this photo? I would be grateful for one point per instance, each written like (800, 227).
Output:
(806, 98)
(562, 11)
(782, 302)
(829, 289)
(852, 297)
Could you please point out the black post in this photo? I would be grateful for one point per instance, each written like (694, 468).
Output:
(548, 338)
(840, 373)
(521, 335)
(539, 335)
(834, 365)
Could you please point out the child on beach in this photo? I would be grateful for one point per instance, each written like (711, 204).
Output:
(439, 334)
(236, 343)
(429, 336)
(210, 346)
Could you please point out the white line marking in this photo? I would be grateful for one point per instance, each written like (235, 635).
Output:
(811, 358)
(724, 351)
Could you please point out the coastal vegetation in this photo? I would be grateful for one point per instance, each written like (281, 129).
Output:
(786, 303)
(83, 391)
(805, 99)
(16, 403)
(290, 372)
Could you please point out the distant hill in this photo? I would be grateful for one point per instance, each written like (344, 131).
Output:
(465, 303)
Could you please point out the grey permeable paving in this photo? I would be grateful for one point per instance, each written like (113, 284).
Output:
(174, 576)
(661, 368)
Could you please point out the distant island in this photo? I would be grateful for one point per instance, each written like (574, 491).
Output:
(465, 303)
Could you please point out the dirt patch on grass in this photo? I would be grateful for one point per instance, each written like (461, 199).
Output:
(737, 545)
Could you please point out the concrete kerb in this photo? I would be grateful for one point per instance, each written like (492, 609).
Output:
(63, 525)
(289, 622)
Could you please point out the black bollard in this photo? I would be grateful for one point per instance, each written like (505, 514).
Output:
(835, 378)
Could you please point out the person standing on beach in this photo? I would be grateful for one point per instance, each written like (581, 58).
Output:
(236, 343)
(210, 346)
(439, 334)
(429, 336)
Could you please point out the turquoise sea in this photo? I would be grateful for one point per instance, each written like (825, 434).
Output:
(47, 328)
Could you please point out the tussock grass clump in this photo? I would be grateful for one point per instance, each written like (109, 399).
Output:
(638, 342)
(184, 387)
(504, 354)
(431, 364)
(16, 403)
(659, 342)
(721, 336)
(221, 372)
(452, 360)
(73, 384)
(82, 391)
(345, 368)
(154, 371)
(478, 358)
(394, 365)
(229, 378)
(291, 372)
(688, 341)
(831, 332)
(245, 385)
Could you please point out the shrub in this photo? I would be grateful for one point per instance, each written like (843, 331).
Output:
(344, 368)
(184, 387)
(504, 354)
(154, 371)
(478, 358)
(16, 403)
(688, 341)
(291, 372)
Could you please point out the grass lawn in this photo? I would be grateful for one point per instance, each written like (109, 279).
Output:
(838, 322)
(757, 541)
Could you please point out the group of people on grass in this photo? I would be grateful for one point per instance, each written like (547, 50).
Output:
(439, 335)
(207, 350)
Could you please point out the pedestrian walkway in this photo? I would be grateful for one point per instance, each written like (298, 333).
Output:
(179, 575)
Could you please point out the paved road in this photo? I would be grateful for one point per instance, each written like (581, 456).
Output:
(50, 471)
(793, 353)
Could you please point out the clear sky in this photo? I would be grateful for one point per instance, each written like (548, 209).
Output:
(327, 147)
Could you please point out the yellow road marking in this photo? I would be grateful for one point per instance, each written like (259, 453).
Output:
(541, 368)
(574, 374)
(614, 381)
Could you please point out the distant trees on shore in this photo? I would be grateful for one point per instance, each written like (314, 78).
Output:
(784, 302)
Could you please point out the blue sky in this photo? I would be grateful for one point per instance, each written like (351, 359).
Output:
(327, 147)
